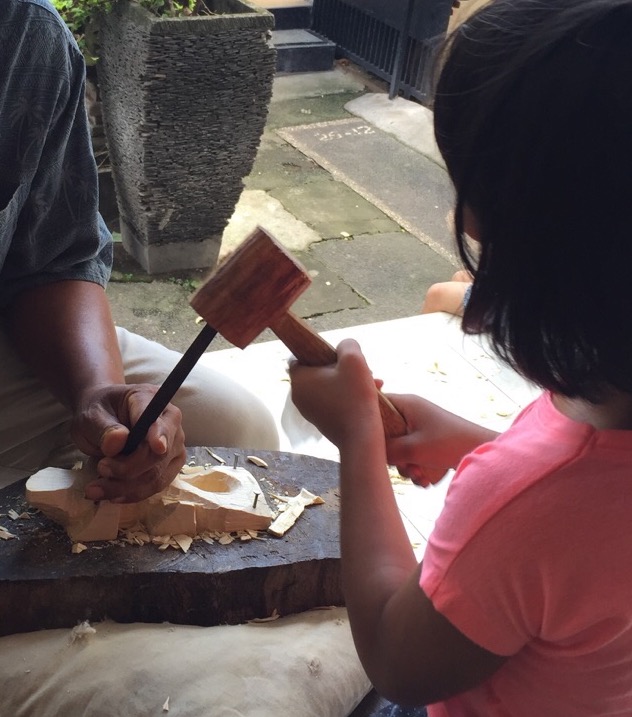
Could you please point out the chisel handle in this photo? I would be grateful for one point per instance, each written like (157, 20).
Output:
(311, 349)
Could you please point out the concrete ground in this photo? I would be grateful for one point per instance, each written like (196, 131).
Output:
(367, 215)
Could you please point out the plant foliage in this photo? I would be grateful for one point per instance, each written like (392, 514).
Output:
(82, 17)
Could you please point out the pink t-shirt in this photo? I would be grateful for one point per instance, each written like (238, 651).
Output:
(532, 557)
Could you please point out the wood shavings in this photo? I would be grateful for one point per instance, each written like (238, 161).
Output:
(293, 509)
(219, 459)
(435, 368)
(274, 616)
(136, 536)
(165, 707)
(315, 667)
(14, 515)
(184, 541)
(257, 461)
(191, 469)
(81, 631)
(139, 536)
(78, 548)
(5, 534)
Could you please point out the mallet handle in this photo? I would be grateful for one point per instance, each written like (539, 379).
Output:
(311, 349)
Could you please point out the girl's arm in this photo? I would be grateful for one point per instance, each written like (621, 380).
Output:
(64, 331)
(410, 652)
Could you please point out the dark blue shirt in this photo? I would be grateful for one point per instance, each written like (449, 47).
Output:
(50, 226)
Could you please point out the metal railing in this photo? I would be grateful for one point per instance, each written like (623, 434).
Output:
(396, 41)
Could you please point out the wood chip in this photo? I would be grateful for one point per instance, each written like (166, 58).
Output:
(294, 507)
(257, 461)
(78, 548)
(165, 707)
(226, 539)
(219, 459)
(13, 514)
(184, 541)
(5, 534)
(191, 469)
(275, 616)
(81, 631)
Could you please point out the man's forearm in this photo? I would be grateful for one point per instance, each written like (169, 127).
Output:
(65, 332)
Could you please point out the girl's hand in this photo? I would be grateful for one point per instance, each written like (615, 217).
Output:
(100, 428)
(340, 399)
(436, 440)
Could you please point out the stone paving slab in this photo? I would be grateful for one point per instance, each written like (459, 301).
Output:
(278, 164)
(307, 110)
(315, 84)
(159, 307)
(391, 271)
(257, 208)
(328, 293)
(412, 189)
(332, 208)
(411, 123)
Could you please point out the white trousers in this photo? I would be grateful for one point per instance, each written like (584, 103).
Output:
(35, 427)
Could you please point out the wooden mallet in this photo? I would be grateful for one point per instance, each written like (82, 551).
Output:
(250, 291)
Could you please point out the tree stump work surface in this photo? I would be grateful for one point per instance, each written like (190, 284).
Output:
(44, 585)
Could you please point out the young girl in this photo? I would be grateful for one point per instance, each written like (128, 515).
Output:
(523, 604)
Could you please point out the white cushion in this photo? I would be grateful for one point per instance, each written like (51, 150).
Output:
(299, 666)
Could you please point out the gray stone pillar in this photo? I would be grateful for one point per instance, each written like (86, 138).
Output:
(185, 102)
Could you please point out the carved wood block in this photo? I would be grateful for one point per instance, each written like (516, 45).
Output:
(199, 499)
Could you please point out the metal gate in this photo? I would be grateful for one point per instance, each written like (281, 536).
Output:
(393, 39)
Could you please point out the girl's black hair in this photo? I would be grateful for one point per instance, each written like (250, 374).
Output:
(533, 115)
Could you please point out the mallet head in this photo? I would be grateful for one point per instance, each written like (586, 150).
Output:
(251, 289)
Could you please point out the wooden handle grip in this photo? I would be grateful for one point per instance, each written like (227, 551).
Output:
(311, 349)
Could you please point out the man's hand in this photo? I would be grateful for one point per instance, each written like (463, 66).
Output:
(75, 353)
(100, 428)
